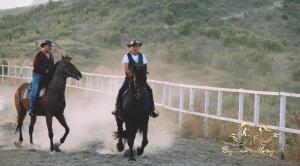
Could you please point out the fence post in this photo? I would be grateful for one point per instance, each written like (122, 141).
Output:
(206, 106)
(192, 96)
(87, 81)
(15, 75)
(256, 109)
(8, 71)
(91, 82)
(170, 96)
(2, 73)
(220, 103)
(181, 105)
(15, 71)
(241, 113)
(163, 102)
(153, 90)
(21, 72)
(282, 126)
(98, 85)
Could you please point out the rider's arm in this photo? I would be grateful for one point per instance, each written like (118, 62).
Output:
(126, 69)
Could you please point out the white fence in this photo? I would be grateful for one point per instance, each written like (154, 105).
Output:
(166, 92)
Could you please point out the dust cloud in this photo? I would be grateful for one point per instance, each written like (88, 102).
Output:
(1, 103)
(91, 123)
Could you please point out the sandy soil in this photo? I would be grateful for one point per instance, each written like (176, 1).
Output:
(90, 141)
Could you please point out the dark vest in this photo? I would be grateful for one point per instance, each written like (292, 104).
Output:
(132, 62)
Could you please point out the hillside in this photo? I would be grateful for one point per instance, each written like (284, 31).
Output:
(230, 43)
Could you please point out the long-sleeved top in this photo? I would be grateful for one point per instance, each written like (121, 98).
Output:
(43, 65)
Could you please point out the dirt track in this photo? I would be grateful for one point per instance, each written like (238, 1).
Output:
(183, 152)
(90, 141)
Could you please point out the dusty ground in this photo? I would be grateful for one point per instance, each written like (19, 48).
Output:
(183, 152)
(90, 141)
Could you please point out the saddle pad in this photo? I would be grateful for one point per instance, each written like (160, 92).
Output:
(27, 92)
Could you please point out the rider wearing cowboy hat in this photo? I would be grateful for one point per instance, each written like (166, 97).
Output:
(134, 46)
(43, 69)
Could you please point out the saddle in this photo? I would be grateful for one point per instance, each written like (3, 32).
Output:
(28, 90)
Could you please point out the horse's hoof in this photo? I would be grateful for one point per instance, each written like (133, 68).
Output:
(56, 148)
(131, 159)
(126, 153)
(120, 146)
(139, 151)
(18, 144)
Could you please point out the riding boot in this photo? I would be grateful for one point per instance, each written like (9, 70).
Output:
(116, 111)
(30, 112)
(153, 113)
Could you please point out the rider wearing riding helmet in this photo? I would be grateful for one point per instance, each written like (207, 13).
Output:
(133, 54)
(43, 69)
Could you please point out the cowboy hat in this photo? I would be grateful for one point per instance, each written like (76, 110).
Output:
(134, 43)
(47, 42)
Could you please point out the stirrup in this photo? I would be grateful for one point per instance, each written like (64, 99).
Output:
(154, 114)
(114, 112)
(31, 113)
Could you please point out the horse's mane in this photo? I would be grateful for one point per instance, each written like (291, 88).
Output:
(56, 64)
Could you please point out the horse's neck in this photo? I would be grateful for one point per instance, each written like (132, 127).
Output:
(131, 86)
(57, 84)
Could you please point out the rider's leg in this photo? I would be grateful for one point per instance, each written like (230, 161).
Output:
(153, 113)
(35, 84)
(122, 90)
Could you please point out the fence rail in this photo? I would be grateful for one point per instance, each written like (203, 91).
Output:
(166, 92)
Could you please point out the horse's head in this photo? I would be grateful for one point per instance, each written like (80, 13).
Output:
(139, 80)
(65, 67)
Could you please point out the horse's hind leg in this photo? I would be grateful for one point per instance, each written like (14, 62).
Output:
(21, 117)
(120, 145)
(140, 150)
(31, 127)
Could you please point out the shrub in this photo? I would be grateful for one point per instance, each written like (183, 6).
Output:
(186, 28)
(103, 12)
(213, 32)
(296, 75)
(112, 38)
(271, 45)
(168, 17)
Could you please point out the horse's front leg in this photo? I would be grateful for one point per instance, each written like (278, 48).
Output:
(50, 131)
(120, 145)
(131, 137)
(140, 150)
(31, 127)
(61, 119)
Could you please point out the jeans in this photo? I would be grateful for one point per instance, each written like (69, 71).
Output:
(35, 88)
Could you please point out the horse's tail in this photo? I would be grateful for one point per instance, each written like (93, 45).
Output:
(19, 107)
(122, 135)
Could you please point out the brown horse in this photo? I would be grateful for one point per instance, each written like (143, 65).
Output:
(52, 103)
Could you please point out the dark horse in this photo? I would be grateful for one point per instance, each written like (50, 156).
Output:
(135, 111)
(52, 103)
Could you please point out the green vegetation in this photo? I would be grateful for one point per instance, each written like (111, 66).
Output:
(226, 43)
